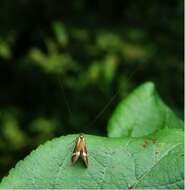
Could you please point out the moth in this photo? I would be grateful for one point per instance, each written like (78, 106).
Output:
(80, 150)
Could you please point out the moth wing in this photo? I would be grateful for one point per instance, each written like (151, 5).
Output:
(84, 155)
(75, 157)
(76, 152)
(85, 159)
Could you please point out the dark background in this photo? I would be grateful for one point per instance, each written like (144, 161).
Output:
(84, 52)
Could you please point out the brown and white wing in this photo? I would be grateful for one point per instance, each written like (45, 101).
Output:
(84, 156)
(75, 157)
(76, 152)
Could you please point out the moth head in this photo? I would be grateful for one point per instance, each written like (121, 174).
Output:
(81, 136)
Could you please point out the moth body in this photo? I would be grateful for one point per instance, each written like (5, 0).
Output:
(80, 150)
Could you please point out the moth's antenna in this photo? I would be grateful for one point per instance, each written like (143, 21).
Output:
(112, 99)
(64, 95)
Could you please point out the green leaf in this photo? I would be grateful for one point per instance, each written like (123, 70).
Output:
(141, 113)
(60, 33)
(144, 162)
(113, 163)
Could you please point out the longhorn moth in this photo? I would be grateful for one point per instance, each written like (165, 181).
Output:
(80, 150)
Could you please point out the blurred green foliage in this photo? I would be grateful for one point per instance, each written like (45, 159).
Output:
(84, 52)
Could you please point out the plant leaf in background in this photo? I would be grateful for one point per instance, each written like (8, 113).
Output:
(151, 158)
(141, 113)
